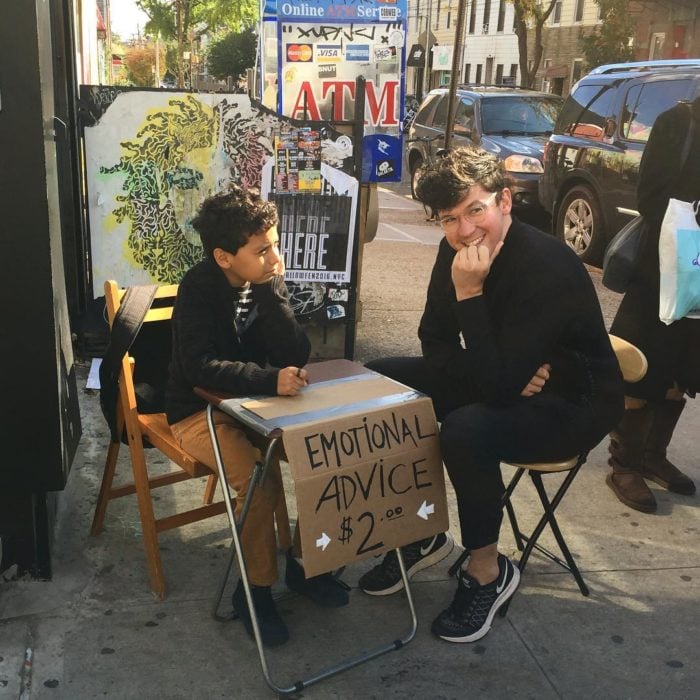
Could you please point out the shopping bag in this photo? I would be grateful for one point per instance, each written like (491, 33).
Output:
(621, 257)
(679, 262)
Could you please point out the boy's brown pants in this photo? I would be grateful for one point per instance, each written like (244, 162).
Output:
(239, 455)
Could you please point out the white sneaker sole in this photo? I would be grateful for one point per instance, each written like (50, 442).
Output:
(505, 594)
(424, 563)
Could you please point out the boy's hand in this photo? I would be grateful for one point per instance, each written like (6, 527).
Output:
(535, 385)
(290, 380)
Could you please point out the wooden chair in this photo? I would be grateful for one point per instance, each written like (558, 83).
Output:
(155, 428)
(633, 365)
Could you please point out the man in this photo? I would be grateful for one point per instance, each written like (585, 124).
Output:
(234, 331)
(517, 361)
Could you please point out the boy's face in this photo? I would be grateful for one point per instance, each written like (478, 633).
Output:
(258, 261)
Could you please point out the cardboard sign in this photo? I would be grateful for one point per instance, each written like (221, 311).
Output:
(366, 482)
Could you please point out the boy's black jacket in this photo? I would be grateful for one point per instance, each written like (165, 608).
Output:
(208, 352)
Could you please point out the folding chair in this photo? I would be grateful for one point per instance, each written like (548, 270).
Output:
(155, 428)
(633, 365)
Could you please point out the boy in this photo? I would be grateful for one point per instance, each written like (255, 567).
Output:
(518, 364)
(234, 331)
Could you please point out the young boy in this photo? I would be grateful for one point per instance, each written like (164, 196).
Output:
(234, 331)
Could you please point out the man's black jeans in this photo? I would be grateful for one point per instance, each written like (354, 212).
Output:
(477, 437)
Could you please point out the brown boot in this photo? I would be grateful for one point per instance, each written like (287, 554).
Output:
(627, 444)
(655, 466)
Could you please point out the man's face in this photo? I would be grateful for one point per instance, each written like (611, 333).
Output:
(257, 261)
(478, 219)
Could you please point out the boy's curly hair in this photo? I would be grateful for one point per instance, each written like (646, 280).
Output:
(446, 182)
(228, 219)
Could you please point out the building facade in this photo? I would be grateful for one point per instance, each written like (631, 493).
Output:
(664, 29)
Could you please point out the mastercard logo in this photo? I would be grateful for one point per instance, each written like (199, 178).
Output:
(300, 53)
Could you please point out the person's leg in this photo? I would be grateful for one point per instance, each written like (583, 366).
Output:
(475, 439)
(258, 535)
(385, 578)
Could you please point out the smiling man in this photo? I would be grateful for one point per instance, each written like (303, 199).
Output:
(235, 332)
(519, 366)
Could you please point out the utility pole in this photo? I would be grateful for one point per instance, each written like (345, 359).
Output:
(157, 83)
(456, 64)
(426, 74)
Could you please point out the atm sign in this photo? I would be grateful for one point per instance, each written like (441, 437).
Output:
(300, 53)
(328, 53)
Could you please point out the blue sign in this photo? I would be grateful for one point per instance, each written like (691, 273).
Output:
(357, 52)
(381, 158)
(338, 10)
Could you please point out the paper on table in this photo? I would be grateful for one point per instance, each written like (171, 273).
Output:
(93, 380)
(318, 397)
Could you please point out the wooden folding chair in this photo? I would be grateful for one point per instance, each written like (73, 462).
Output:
(155, 428)
(633, 365)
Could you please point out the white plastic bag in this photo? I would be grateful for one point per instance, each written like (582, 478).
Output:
(679, 262)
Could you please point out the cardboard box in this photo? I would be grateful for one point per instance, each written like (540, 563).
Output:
(365, 458)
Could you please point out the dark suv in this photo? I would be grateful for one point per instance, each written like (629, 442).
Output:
(514, 124)
(591, 164)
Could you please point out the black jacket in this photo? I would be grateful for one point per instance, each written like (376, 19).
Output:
(207, 350)
(538, 305)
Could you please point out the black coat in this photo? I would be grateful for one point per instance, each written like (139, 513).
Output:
(210, 353)
(673, 352)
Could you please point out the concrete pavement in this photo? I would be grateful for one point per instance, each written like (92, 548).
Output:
(96, 631)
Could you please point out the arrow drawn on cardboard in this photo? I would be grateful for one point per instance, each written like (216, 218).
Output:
(323, 541)
(426, 509)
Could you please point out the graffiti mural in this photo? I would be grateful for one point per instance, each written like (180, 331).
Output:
(152, 157)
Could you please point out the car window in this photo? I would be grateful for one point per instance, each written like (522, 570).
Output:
(464, 116)
(440, 117)
(586, 110)
(644, 103)
(519, 114)
(424, 115)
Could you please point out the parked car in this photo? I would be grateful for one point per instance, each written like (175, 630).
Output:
(591, 164)
(512, 123)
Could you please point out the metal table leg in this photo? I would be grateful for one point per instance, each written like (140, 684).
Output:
(258, 476)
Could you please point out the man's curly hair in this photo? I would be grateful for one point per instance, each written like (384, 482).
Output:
(446, 182)
(228, 219)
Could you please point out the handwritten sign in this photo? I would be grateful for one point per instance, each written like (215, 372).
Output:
(367, 482)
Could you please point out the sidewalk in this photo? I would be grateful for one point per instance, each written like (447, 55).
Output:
(96, 631)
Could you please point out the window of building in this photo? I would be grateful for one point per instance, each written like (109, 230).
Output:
(556, 13)
(437, 17)
(486, 16)
(576, 70)
(467, 72)
(472, 17)
(513, 70)
(449, 18)
(578, 11)
(546, 65)
(656, 46)
(499, 74)
(501, 15)
(478, 73)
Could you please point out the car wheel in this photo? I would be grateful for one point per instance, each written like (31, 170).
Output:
(415, 175)
(580, 224)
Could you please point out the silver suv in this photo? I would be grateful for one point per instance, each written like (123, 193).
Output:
(513, 124)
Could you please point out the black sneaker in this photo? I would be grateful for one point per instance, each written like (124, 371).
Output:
(272, 628)
(325, 590)
(385, 578)
(471, 612)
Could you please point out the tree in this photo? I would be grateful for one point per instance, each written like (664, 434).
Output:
(140, 64)
(610, 42)
(232, 54)
(530, 14)
(181, 20)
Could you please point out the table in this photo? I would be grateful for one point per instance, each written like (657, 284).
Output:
(337, 389)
